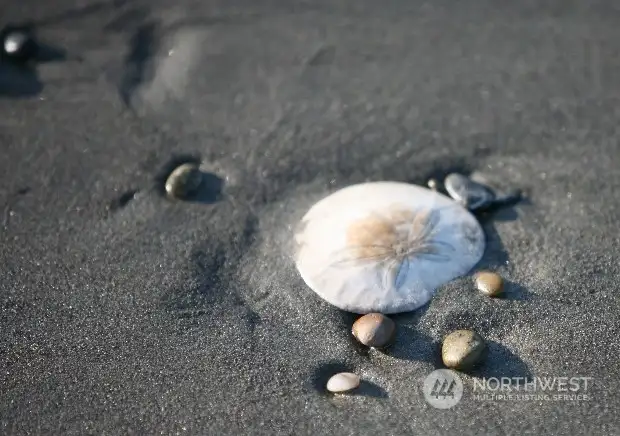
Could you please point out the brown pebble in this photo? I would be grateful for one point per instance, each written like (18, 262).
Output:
(489, 283)
(374, 330)
(462, 349)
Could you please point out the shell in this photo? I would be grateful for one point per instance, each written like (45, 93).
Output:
(385, 246)
(343, 382)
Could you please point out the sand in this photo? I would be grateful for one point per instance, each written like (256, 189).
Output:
(122, 312)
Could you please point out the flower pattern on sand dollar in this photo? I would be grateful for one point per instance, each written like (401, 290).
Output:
(394, 239)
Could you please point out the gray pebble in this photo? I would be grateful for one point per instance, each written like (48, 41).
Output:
(462, 349)
(183, 181)
(470, 194)
(374, 330)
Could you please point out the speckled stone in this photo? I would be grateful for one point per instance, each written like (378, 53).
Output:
(183, 181)
(489, 283)
(343, 382)
(374, 330)
(462, 349)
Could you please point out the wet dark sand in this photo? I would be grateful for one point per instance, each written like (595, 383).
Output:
(122, 312)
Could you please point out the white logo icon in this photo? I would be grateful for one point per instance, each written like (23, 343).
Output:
(443, 388)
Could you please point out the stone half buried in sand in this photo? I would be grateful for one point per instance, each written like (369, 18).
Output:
(385, 246)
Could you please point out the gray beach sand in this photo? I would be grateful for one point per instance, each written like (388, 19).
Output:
(122, 312)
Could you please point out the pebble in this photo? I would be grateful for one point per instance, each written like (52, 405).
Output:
(18, 43)
(183, 181)
(343, 382)
(385, 246)
(489, 283)
(470, 194)
(374, 330)
(462, 349)
(432, 184)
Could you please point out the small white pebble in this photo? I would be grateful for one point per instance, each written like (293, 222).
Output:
(11, 46)
(343, 382)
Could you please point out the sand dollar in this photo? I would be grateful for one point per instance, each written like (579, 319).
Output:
(385, 246)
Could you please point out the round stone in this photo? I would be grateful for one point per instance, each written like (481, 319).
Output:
(183, 181)
(374, 330)
(18, 43)
(385, 246)
(470, 194)
(462, 349)
(489, 283)
(343, 382)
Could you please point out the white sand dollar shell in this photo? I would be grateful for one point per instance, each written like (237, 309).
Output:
(385, 246)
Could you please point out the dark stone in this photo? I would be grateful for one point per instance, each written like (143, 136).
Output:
(470, 194)
(183, 181)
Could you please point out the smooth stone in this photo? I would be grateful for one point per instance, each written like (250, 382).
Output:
(14, 42)
(374, 330)
(462, 349)
(183, 181)
(470, 194)
(385, 246)
(18, 43)
(489, 283)
(343, 382)
(432, 184)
